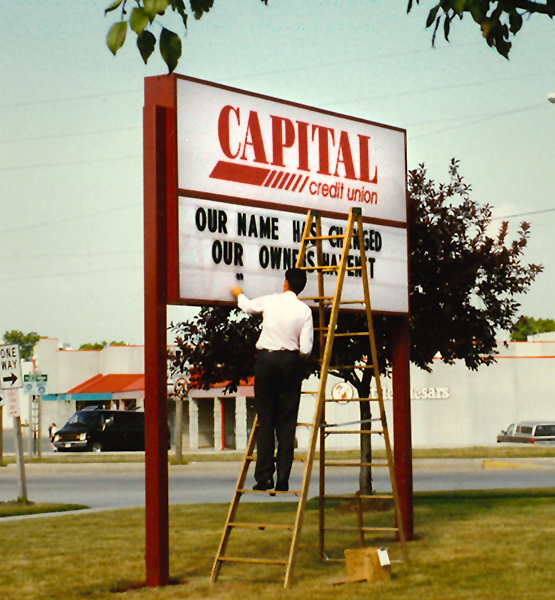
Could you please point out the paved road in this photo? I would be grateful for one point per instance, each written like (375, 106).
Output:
(116, 485)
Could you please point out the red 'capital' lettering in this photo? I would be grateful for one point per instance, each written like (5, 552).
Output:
(345, 156)
(364, 155)
(324, 133)
(253, 137)
(302, 134)
(223, 130)
(283, 136)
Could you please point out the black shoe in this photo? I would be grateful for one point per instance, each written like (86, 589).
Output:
(262, 486)
(282, 486)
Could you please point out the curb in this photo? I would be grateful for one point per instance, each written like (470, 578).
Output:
(512, 464)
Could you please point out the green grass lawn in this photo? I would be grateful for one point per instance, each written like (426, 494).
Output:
(481, 545)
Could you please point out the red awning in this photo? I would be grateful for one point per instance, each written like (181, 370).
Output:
(110, 384)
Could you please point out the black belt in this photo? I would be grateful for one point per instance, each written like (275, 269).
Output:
(274, 351)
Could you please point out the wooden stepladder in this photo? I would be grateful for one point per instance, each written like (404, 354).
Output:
(328, 313)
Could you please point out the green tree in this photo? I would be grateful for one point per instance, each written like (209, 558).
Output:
(463, 285)
(526, 326)
(25, 341)
(99, 345)
(498, 20)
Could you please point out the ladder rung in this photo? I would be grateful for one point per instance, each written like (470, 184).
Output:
(328, 559)
(266, 561)
(361, 496)
(271, 492)
(325, 237)
(348, 399)
(361, 528)
(355, 464)
(304, 424)
(306, 299)
(365, 431)
(341, 367)
(321, 268)
(260, 526)
(359, 422)
(348, 334)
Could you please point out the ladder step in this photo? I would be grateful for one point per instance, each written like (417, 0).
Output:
(392, 529)
(361, 496)
(345, 367)
(364, 431)
(271, 492)
(355, 464)
(321, 268)
(324, 237)
(349, 334)
(265, 561)
(260, 526)
(349, 399)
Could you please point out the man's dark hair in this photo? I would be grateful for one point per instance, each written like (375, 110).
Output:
(296, 279)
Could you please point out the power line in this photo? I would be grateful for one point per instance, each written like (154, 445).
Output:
(68, 99)
(70, 163)
(477, 120)
(74, 274)
(72, 255)
(524, 214)
(67, 135)
(438, 88)
(66, 219)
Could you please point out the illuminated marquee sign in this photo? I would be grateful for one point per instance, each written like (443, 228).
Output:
(249, 168)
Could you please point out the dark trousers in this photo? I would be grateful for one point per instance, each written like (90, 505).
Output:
(277, 391)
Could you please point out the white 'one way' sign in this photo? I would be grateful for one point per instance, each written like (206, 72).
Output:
(10, 367)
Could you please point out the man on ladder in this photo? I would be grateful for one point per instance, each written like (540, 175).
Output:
(285, 341)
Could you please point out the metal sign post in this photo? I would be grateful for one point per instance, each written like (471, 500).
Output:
(10, 382)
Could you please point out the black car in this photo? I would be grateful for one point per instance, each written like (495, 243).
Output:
(95, 430)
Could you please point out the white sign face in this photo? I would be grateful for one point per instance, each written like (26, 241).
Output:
(10, 367)
(222, 245)
(238, 145)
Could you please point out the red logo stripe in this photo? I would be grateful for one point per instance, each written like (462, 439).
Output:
(239, 173)
(304, 183)
(277, 179)
(290, 181)
(284, 180)
(296, 183)
(270, 178)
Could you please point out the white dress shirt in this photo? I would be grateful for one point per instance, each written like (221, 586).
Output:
(286, 322)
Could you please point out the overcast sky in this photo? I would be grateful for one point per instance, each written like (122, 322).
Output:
(71, 133)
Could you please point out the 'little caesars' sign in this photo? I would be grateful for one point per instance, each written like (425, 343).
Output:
(248, 170)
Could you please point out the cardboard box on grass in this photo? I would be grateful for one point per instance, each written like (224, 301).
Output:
(367, 564)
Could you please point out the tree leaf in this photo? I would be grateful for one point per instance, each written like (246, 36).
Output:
(432, 16)
(116, 36)
(138, 20)
(112, 6)
(199, 7)
(155, 7)
(179, 6)
(170, 48)
(515, 20)
(146, 42)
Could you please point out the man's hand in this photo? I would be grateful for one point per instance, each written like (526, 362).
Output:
(236, 290)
